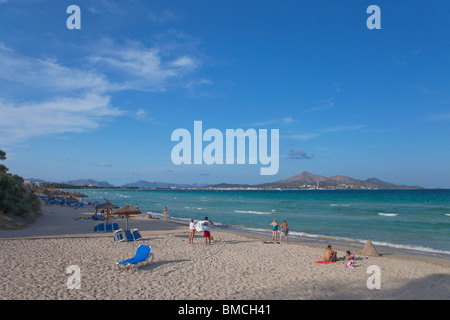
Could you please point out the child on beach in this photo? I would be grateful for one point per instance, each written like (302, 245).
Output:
(191, 231)
(165, 213)
(351, 259)
(274, 226)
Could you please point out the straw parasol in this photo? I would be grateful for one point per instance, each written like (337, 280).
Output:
(78, 195)
(107, 205)
(127, 211)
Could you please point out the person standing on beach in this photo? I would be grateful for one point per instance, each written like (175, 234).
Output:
(284, 231)
(206, 229)
(191, 231)
(274, 226)
(165, 213)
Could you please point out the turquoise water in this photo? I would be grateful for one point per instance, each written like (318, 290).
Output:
(414, 219)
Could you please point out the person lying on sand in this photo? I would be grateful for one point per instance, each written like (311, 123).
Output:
(330, 255)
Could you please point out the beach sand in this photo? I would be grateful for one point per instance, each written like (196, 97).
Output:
(235, 267)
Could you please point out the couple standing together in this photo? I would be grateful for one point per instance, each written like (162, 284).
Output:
(284, 228)
(200, 226)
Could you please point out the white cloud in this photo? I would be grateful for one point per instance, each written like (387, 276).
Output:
(47, 74)
(285, 121)
(78, 99)
(343, 128)
(105, 164)
(20, 121)
(143, 68)
(303, 137)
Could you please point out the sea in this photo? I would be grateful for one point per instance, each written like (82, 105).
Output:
(409, 221)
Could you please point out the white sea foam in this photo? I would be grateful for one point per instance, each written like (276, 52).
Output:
(339, 205)
(447, 214)
(252, 212)
(410, 247)
(387, 214)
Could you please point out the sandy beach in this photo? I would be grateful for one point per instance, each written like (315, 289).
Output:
(234, 267)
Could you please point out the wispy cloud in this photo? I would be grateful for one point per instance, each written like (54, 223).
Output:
(285, 120)
(299, 154)
(303, 137)
(20, 121)
(441, 117)
(105, 164)
(77, 99)
(313, 135)
(133, 66)
(321, 105)
(343, 128)
(47, 74)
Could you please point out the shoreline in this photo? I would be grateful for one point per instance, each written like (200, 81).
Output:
(322, 240)
(237, 266)
(262, 235)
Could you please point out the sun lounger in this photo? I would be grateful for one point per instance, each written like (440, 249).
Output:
(106, 227)
(142, 257)
(136, 235)
(127, 235)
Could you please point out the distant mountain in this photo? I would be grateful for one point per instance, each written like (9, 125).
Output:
(147, 184)
(153, 185)
(307, 180)
(304, 180)
(89, 182)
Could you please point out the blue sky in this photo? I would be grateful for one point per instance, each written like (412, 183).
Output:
(102, 102)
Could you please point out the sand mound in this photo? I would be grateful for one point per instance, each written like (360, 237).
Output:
(369, 250)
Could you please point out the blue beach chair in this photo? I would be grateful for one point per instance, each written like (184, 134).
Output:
(106, 227)
(127, 235)
(136, 235)
(142, 256)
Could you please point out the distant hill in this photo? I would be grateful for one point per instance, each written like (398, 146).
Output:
(304, 180)
(153, 185)
(89, 182)
(307, 180)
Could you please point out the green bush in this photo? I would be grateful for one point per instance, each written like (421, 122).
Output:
(15, 198)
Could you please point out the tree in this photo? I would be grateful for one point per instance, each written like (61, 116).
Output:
(3, 169)
(15, 199)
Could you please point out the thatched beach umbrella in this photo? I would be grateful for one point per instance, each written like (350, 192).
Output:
(127, 211)
(78, 195)
(108, 206)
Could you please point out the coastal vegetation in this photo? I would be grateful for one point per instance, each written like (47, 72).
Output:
(18, 204)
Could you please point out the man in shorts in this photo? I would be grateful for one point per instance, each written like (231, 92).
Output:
(206, 230)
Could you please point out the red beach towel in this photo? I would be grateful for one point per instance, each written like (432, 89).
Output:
(324, 262)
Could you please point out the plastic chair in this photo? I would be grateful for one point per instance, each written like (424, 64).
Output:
(141, 257)
(127, 235)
